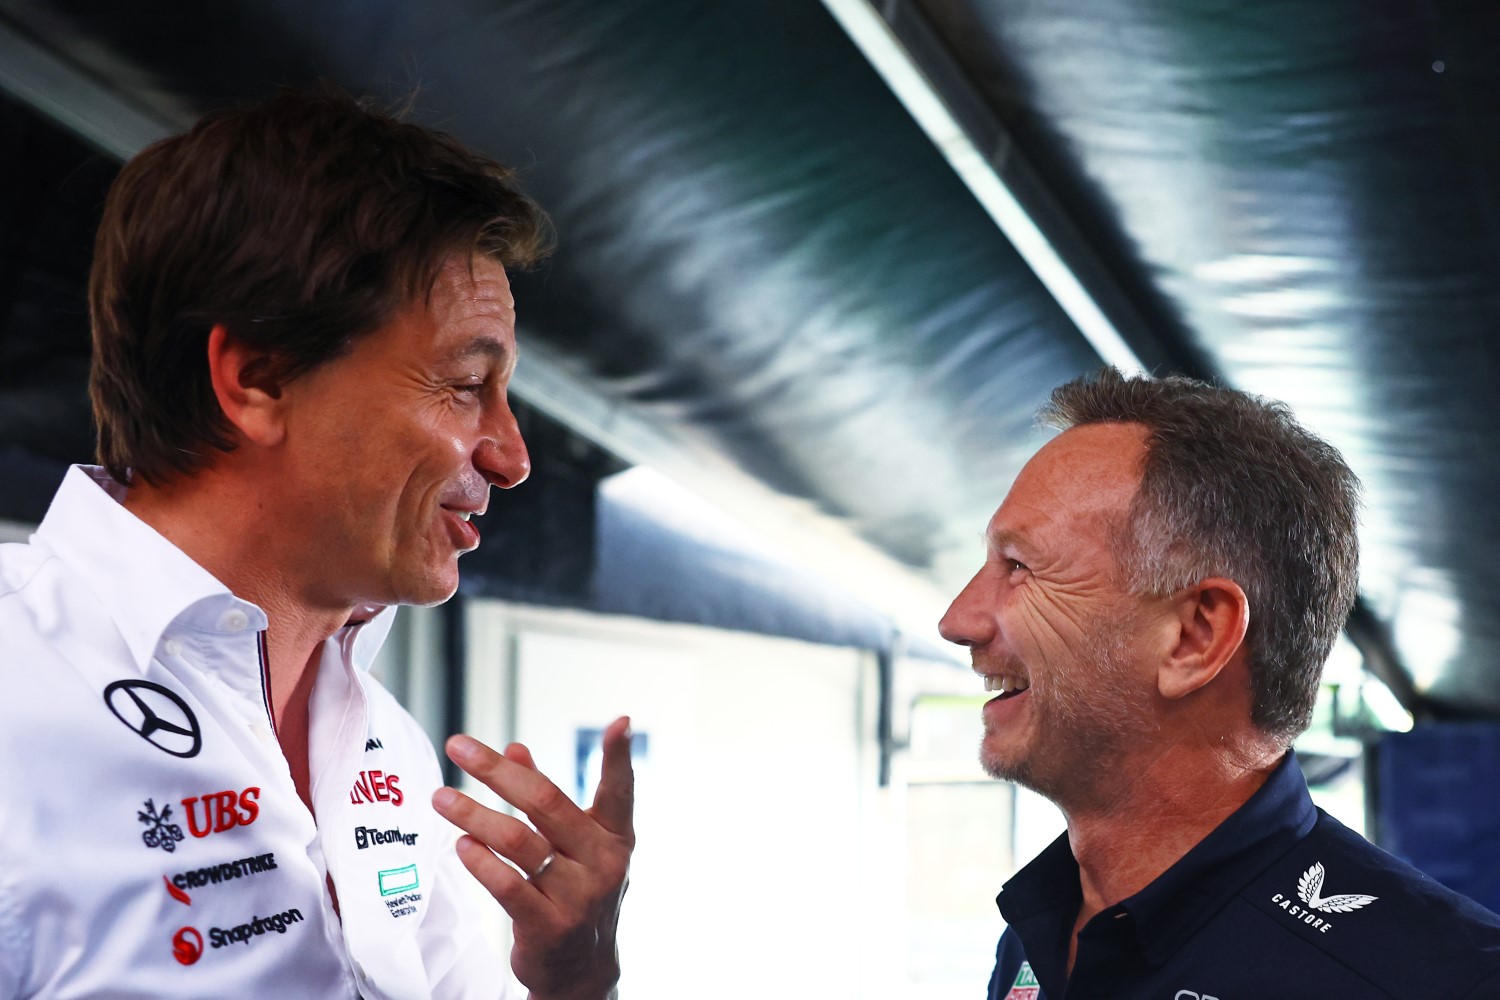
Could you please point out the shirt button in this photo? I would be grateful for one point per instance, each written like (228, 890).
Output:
(173, 647)
(235, 621)
(262, 732)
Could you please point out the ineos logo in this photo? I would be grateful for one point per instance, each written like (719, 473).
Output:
(157, 715)
(376, 786)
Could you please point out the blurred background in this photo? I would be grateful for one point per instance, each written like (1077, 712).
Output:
(818, 264)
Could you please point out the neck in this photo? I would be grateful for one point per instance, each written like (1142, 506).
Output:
(210, 520)
(1173, 798)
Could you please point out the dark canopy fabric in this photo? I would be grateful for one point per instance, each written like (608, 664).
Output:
(761, 251)
(1312, 190)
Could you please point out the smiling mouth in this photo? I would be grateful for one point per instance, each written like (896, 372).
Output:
(463, 533)
(1008, 686)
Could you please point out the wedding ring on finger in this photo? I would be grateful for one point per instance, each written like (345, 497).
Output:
(546, 863)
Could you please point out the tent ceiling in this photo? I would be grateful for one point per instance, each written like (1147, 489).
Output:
(763, 258)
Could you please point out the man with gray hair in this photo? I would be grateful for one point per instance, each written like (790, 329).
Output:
(1163, 584)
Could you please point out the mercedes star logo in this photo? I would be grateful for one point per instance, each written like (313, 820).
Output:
(157, 715)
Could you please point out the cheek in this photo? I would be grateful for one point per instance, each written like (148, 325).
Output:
(1050, 623)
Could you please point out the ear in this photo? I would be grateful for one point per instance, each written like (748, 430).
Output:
(1211, 619)
(245, 384)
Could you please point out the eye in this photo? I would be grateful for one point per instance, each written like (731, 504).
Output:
(1012, 565)
(473, 386)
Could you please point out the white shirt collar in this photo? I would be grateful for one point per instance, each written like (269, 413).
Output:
(144, 582)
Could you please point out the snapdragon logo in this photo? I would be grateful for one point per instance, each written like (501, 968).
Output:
(187, 945)
(277, 923)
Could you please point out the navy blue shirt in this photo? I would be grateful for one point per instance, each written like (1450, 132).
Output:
(1281, 900)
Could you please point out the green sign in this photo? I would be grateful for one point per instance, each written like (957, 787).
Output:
(394, 880)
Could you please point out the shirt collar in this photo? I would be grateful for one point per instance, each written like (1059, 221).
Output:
(1182, 898)
(1177, 902)
(145, 583)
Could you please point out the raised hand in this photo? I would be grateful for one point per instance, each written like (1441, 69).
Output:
(565, 910)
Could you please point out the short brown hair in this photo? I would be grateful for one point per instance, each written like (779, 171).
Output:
(299, 223)
(1233, 486)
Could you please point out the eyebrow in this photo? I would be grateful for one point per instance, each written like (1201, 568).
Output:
(492, 348)
(996, 541)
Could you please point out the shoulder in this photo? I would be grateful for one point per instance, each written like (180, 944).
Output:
(1378, 916)
(44, 616)
(41, 600)
(19, 565)
(1012, 970)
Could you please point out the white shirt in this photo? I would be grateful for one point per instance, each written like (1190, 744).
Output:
(152, 843)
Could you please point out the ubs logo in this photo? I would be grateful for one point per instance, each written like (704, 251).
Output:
(160, 830)
(221, 811)
(157, 715)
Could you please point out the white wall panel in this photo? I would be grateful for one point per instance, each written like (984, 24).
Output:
(763, 860)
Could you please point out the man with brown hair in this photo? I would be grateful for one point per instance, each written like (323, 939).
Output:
(1163, 584)
(303, 334)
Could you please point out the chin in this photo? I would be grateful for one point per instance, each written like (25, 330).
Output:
(1016, 764)
(998, 764)
(423, 590)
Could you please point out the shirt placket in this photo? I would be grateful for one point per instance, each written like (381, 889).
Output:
(231, 659)
(1109, 961)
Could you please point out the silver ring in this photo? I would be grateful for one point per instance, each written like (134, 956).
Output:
(546, 863)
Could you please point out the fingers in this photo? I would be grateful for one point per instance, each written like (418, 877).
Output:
(565, 915)
(502, 834)
(526, 906)
(614, 801)
(550, 810)
(521, 755)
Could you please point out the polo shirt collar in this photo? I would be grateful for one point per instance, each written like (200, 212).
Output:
(1181, 899)
(146, 584)
(1177, 902)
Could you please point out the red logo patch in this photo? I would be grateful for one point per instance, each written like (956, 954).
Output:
(221, 811)
(187, 945)
(376, 786)
(177, 893)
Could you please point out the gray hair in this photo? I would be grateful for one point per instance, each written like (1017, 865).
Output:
(1233, 486)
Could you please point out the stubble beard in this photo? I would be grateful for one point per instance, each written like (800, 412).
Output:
(1084, 725)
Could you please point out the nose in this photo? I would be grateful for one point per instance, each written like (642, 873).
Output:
(501, 454)
(970, 619)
